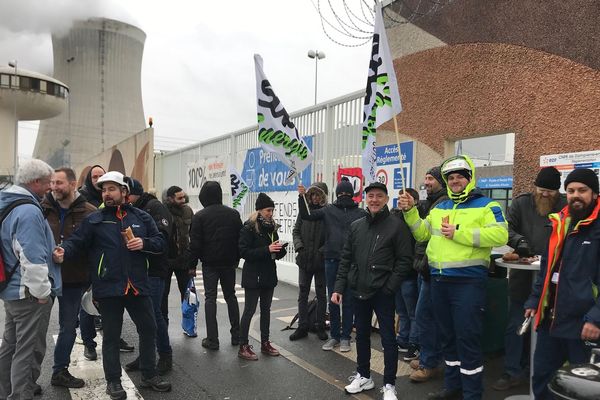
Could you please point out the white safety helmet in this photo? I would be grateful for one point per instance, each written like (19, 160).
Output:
(87, 303)
(457, 164)
(113, 176)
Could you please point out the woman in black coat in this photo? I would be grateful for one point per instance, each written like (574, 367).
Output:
(259, 247)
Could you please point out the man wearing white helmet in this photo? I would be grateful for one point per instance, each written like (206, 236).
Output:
(461, 233)
(118, 240)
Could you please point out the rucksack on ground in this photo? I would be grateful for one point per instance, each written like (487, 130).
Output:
(312, 317)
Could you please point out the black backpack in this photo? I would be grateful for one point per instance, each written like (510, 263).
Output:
(5, 274)
(312, 317)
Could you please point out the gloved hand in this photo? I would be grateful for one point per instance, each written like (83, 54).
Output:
(523, 249)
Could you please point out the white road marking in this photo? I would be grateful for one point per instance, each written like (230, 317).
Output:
(93, 374)
(220, 299)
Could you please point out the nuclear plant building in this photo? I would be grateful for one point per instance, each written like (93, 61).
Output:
(100, 60)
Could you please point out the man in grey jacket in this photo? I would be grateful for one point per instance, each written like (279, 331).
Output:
(27, 244)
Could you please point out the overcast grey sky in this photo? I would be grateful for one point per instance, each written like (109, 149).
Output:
(198, 70)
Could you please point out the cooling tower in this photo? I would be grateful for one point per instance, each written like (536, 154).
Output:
(101, 62)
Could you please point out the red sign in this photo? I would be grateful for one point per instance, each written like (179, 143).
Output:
(354, 175)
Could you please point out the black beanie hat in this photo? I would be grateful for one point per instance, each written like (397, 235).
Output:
(585, 176)
(344, 187)
(263, 201)
(465, 173)
(135, 187)
(436, 172)
(548, 178)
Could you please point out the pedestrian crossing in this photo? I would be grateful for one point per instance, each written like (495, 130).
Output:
(198, 282)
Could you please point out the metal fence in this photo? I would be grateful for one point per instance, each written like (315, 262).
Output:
(335, 126)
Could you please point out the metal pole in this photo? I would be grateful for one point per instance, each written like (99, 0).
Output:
(16, 146)
(316, 75)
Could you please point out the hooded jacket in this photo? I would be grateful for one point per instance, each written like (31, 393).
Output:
(260, 269)
(27, 245)
(74, 272)
(309, 236)
(337, 218)
(158, 263)
(89, 191)
(215, 231)
(112, 267)
(377, 255)
(480, 226)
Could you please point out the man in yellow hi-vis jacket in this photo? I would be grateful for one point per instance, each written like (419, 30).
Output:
(461, 233)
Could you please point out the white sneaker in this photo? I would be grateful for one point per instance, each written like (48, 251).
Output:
(359, 383)
(389, 392)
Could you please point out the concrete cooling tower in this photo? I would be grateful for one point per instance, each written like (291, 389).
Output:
(101, 62)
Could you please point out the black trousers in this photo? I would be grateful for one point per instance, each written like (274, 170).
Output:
(304, 281)
(183, 277)
(211, 277)
(252, 297)
(141, 312)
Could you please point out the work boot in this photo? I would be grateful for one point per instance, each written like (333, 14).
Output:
(506, 382)
(115, 391)
(125, 347)
(266, 348)
(246, 353)
(157, 384)
(422, 374)
(65, 379)
(133, 366)
(210, 344)
(415, 364)
(165, 363)
(299, 334)
(89, 353)
(446, 394)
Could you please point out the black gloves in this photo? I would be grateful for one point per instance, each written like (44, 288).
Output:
(523, 249)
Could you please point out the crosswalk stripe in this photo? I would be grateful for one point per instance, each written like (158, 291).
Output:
(93, 374)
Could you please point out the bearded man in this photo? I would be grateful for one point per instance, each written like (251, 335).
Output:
(528, 233)
(564, 299)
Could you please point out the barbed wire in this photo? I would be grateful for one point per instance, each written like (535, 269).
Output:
(347, 28)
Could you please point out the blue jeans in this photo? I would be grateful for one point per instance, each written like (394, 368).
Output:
(68, 311)
(406, 304)
(459, 308)
(157, 287)
(427, 331)
(550, 354)
(513, 343)
(331, 269)
(383, 305)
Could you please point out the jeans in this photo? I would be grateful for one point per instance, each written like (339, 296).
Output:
(459, 308)
(427, 331)
(383, 305)
(331, 269)
(550, 354)
(251, 298)
(69, 305)
(140, 311)
(163, 344)
(23, 346)
(513, 343)
(304, 281)
(211, 277)
(87, 328)
(406, 304)
(183, 277)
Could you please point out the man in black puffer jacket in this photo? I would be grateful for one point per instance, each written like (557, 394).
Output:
(377, 257)
(214, 238)
(158, 270)
(337, 218)
(309, 238)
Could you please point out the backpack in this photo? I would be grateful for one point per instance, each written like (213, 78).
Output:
(5, 275)
(311, 317)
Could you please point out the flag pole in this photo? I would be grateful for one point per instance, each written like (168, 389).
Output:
(304, 195)
(400, 156)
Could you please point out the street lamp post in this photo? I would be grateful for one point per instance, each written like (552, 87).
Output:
(317, 55)
(15, 87)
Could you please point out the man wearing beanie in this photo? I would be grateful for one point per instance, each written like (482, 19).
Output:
(461, 232)
(337, 218)
(430, 355)
(528, 235)
(309, 238)
(564, 300)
